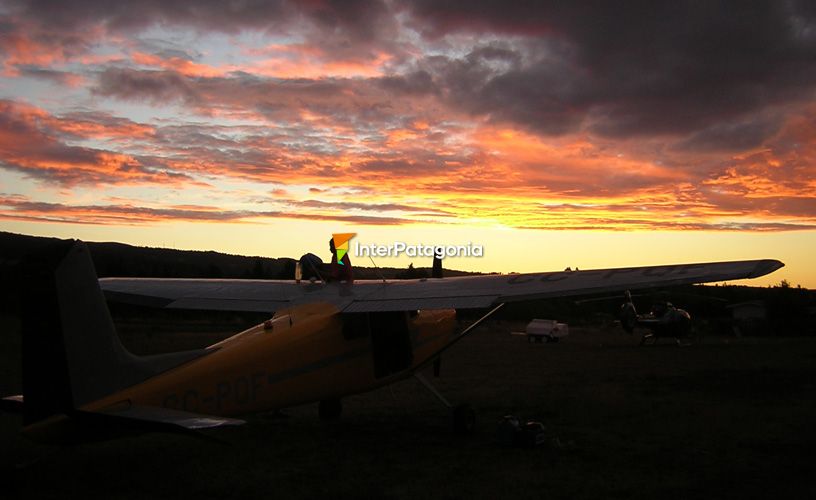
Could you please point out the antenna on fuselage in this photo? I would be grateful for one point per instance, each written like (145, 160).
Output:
(436, 270)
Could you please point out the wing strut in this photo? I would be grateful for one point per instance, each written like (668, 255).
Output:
(432, 389)
(463, 416)
(478, 322)
(461, 336)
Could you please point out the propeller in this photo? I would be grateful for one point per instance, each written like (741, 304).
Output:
(628, 314)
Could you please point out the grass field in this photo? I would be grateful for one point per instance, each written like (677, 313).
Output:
(727, 418)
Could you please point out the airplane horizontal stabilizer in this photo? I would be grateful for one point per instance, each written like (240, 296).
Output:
(12, 404)
(158, 418)
(81, 426)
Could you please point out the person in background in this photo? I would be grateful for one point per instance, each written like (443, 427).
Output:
(311, 267)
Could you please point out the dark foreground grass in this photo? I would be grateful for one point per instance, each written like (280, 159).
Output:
(729, 418)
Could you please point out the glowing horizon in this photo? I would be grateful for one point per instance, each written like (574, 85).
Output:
(216, 127)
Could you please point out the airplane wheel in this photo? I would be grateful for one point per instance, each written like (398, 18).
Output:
(464, 419)
(330, 409)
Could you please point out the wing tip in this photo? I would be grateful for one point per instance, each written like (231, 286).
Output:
(766, 266)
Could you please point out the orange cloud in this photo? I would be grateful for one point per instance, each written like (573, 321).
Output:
(20, 49)
(311, 61)
(22, 208)
(444, 170)
(30, 142)
(180, 65)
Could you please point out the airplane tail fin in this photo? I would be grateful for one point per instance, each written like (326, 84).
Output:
(72, 356)
(71, 352)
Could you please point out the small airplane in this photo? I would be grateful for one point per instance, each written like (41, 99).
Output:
(664, 320)
(325, 341)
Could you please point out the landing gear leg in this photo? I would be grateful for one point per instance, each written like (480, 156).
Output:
(463, 417)
(330, 409)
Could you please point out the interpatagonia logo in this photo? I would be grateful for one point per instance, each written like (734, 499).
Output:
(341, 245)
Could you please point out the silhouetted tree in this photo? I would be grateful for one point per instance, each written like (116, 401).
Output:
(214, 271)
(287, 270)
(258, 269)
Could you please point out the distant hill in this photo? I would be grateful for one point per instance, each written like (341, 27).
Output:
(119, 259)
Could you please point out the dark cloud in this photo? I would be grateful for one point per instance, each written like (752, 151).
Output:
(738, 135)
(650, 68)
(159, 87)
(545, 96)
(343, 100)
(342, 28)
(620, 71)
(414, 83)
(65, 78)
(229, 17)
(166, 49)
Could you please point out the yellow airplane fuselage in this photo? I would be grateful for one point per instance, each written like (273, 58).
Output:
(301, 355)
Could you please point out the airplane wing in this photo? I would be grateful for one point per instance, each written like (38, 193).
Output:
(401, 295)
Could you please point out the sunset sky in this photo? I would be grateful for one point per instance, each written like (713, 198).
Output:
(554, 135)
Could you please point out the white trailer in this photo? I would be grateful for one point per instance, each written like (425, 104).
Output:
(544, 330)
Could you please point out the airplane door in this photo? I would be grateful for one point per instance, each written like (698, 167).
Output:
(391, 347)
(390, 343)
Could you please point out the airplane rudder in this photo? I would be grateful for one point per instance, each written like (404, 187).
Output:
(46, 381)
